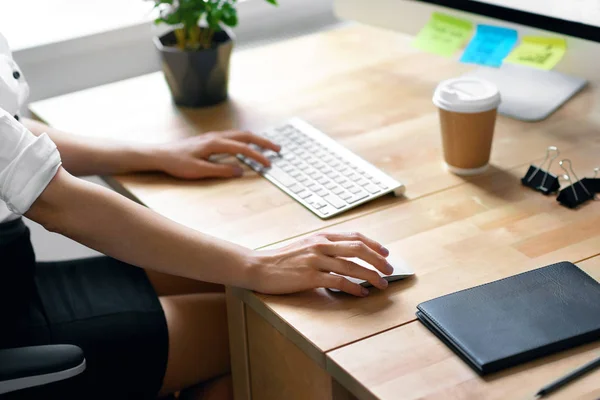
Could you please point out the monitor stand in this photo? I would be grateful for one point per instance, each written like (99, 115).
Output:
(530, 94)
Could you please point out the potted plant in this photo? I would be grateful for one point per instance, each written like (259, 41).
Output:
(196, 52)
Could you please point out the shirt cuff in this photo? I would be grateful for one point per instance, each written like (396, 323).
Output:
(29, 174)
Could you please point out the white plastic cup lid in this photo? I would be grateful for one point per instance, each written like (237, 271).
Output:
(466, 95)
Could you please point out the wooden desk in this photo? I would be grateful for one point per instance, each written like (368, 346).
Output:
(371, 91)
(411, 363)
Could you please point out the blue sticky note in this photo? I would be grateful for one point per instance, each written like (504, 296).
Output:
(490, 45)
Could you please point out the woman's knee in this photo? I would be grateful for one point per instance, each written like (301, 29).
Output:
(198, 339)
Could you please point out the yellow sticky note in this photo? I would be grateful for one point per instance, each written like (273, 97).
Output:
(538, 52)
(443, 34)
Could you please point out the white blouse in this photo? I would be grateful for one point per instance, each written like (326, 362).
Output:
(27, 163)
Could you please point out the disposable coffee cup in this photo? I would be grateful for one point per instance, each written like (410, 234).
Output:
(467, 110)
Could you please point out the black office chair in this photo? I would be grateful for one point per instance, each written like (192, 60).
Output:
(29, 368)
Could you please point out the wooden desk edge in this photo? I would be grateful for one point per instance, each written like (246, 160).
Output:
(348, 382)
(248, 297)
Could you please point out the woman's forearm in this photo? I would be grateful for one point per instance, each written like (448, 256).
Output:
(84, 156)
(113, 225)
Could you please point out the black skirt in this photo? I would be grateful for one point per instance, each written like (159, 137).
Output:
(106, 307)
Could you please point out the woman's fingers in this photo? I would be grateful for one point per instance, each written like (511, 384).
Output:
(215, 170)
(355, 236)
(357, 249)
(234, 147)
(351, 269)
(250, 138)
(331, 281)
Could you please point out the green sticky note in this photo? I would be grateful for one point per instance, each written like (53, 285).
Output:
(538, 52)
(443, 34)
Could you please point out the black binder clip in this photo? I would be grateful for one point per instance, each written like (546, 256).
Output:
(593, 184)
(543, 180)
(577, 193)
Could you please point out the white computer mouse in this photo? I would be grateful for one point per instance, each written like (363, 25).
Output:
(401, 271)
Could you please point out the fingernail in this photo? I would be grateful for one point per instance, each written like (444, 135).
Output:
(238, 171)
(364, 291)
(383, 283)
(385, 251)
(389, 268)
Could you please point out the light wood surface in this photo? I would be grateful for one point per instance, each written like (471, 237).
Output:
(279, 369)
(365, 87)
(238, 346)
(484, 230)
(371, 91)
(409, 362)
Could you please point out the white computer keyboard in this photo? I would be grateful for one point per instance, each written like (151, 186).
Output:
(318, 172)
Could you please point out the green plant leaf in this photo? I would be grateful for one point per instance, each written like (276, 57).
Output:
(229, 15)
(274, 2)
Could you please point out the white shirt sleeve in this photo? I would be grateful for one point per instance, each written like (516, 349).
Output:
(27, 164)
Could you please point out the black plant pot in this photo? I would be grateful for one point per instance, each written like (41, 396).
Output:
(196, 78)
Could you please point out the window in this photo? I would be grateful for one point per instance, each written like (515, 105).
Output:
(31, 23)
(68, 45)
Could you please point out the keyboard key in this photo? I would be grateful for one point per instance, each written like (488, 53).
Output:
(297, 188)
(337, 190)
(347, 185)
(303, 167)
(355, 189)
(372, 188)
(357, 197)
(330, 185)
(383, 186)
(319, 204)
(321, 192)
(305, 194)
(295, 173)
(322, 180)
(310, 199)
(345, 195)
(313, 186)
(334, 163)
(362, 182)
(340, 180)
(302, 178)
(334, 201)
(281, 177)
(332, 174)
(314, 174)
(353, 176)
(287, 168)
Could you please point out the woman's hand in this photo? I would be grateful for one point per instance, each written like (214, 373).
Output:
(189, 158)
(306, 264)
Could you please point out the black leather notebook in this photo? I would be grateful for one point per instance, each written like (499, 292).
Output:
(517, 319)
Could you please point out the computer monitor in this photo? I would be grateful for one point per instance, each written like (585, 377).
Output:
(528, 94)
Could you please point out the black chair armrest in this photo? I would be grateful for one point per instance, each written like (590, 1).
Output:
(27, 367)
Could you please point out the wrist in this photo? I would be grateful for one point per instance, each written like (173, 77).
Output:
(252, 265)
(143, 157)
